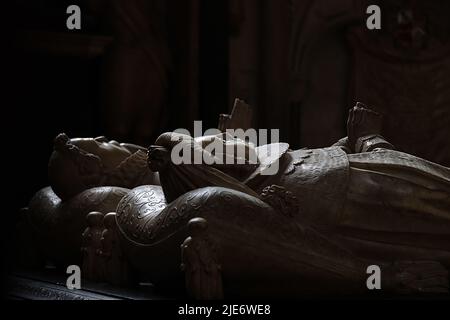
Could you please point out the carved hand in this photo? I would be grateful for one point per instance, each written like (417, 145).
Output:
(362, 122)
(158, 157)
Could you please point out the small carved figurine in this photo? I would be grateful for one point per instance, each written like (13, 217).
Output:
(93, 267)
(199, 262)
(116, 269)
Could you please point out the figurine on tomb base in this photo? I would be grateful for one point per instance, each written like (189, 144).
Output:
(116, 267)
(93, 267)
(199, 262)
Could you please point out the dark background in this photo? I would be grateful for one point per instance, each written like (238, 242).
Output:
(138, 68)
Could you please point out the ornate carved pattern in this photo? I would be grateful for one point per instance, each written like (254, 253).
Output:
(137, 211)
(281, 200)
(319, 181)
(36, 290)
(145, 218)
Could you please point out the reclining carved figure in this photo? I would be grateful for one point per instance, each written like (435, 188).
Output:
(313, 227)
(86, 175)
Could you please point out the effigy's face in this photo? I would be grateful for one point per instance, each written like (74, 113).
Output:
(111, 152)
(226, 146)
